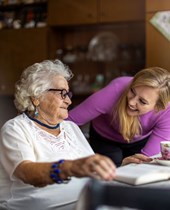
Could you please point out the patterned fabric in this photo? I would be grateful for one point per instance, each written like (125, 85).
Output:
(22, 140)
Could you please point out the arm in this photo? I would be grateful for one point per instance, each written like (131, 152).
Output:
(38, 174)
(87, 110)
(20, 162)
(99, 103)
(160, 132)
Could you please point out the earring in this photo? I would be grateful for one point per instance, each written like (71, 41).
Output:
(36, 112)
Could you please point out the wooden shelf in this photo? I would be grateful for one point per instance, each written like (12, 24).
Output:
(20, 48)
(70, 23)
(94, 11)
(20, 6)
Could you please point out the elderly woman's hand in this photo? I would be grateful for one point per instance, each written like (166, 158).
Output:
(95, 166)
(137, 158)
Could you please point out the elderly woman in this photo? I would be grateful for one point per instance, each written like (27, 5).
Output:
(42, 157)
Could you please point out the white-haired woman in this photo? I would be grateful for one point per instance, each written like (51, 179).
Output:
(41, 154)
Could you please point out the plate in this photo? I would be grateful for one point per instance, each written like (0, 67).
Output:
(163, 162)
(103, 47)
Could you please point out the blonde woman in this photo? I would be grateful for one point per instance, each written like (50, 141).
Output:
(130, 115)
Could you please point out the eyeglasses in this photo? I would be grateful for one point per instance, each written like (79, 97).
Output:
(64, 93)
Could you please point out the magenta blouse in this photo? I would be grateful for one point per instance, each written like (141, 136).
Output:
(98, 109)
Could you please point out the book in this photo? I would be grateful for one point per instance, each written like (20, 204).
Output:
(138, 174)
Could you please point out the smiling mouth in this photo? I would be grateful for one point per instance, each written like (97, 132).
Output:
(132, 109)
(64, 108)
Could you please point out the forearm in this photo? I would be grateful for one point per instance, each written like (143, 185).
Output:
(152, 147)
(38, 174)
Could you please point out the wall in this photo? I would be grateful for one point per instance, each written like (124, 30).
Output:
(7, 109)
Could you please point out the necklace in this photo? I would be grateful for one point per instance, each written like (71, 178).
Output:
(42, 124)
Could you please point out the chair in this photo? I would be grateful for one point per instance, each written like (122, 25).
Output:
(100, 194)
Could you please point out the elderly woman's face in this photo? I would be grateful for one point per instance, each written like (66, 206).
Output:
(53, 107)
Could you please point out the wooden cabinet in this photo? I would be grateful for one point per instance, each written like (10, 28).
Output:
(157, 46)
(80, 21)
(71, 24)
(19, 48)
(121, 10)
(66, 12)
(157, 5)
(22, 46)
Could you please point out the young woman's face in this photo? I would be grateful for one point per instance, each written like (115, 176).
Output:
(53, 107)
(141, 100)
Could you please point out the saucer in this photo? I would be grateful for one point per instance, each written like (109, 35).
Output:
(162, 161)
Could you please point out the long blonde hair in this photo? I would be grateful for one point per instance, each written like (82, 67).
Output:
(154, 77)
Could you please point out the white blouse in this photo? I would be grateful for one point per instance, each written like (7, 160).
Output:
(22, 140)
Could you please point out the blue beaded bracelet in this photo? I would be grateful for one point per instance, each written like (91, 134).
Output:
(55, 173)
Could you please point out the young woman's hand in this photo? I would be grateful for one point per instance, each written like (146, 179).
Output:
(137, 158)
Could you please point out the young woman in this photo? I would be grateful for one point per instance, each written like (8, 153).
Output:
(130, 115)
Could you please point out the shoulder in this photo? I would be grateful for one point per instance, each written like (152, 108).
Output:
(121, 81)
(166, 112)
(117, 85)
(160, 118)
(17, 122)
(66, 124)
(13, 121)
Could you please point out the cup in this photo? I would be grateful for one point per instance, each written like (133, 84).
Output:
(165, 150)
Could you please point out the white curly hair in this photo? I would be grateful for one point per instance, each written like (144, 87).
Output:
(35, 80)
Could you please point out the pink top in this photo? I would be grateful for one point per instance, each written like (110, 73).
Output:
(98, 109)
